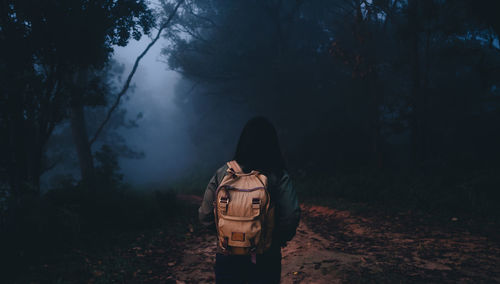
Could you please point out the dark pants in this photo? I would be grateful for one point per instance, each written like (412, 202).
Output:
(235, 269)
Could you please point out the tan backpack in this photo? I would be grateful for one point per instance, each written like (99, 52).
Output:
(244, 215)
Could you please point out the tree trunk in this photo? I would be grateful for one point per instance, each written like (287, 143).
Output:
(79, 131)
(377, 155)
(368, 78)
(17, 165)
(417, 106)
(82, 145)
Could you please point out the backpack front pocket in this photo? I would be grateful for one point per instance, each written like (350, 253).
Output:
(240, 231)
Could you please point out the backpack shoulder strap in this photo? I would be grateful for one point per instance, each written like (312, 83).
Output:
(233, 165)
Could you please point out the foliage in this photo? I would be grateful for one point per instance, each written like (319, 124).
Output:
(56, 49)
(444, 193)
(349, 84)
(72, 214)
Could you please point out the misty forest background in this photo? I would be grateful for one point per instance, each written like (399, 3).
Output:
(389, 103)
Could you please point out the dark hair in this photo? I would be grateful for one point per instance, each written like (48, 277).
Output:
(258, 147)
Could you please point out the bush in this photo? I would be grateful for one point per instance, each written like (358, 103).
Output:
(460, 193)
(71, 214)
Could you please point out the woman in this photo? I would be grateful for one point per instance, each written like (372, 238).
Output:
(257, 149)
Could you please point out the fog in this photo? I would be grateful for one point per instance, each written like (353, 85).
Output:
(338, 98)
(162, 132)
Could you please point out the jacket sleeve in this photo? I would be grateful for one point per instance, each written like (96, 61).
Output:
(206, 210)
(288, 210)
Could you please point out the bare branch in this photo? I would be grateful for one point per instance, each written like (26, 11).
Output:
(206, 19)
(134, 69)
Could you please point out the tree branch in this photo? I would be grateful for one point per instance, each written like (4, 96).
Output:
(134, 69)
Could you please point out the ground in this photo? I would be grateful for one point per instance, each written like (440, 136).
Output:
(331, 246)
(336, 246)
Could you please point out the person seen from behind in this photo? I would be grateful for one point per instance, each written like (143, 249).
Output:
(253, 206)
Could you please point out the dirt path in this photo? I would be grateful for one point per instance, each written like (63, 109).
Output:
(300, 259)
(307, 259)
(333, 246)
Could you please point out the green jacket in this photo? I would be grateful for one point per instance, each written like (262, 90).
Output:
(281, 190)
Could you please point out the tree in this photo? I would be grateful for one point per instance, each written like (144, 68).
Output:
(347, 82)
(56, 47)
(80, 135)
(61, 157)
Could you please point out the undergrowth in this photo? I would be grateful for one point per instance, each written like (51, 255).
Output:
(467, 194)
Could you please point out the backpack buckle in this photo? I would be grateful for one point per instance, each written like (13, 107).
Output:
(223, 204)
(225, 243)
(256, 203)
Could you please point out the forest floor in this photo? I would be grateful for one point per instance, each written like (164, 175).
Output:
(331, 246)
(336, 246)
